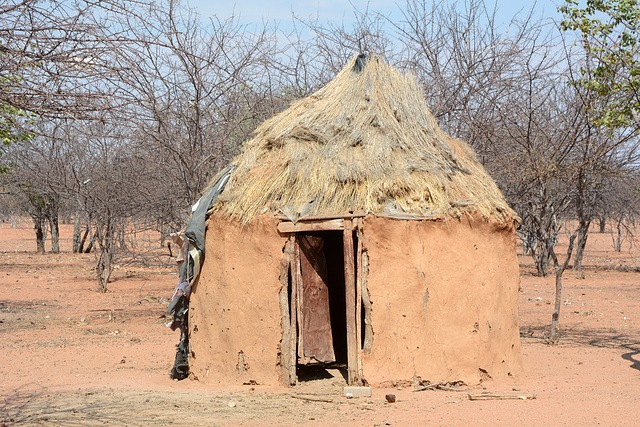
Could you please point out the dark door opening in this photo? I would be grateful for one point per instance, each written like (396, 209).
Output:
(322, 308)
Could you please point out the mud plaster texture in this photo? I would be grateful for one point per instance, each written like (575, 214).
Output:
(234, 311)
(444, 300)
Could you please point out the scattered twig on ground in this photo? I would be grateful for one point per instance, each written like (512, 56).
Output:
(314, 399)
(427, 387)
(442, 387)
(501, 396)
(439, 386)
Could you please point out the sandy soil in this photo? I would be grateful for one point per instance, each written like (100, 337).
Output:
(73, 356)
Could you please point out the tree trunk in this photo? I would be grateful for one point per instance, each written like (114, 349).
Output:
(529, 242)
(617, 237)
(52, 216)
(81, 248)
(161, 227)
(122, 244)
(55, 234)
(103, 268)
(38, 226)
(105, 239)
(542, 259)
(583, 234)
(77, 234)
(38, 216)
(546, 231)
(554, 332)
(90, 245)
(603, 224)
(584, 208)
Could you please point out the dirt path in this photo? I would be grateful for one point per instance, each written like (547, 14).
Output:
(72, 356)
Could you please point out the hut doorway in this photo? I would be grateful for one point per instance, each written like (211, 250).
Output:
(320, 318)
(322, 337)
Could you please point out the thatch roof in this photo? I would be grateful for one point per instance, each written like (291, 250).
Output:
(366, 142)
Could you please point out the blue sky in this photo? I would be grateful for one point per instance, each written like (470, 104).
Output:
(254, 11)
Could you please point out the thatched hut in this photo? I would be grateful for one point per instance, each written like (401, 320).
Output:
(352, 230)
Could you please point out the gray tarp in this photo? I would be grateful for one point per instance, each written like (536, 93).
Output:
(197, 226)
(189, 270)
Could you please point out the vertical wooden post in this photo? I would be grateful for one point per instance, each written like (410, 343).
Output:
(296, 271)
(294, 309)
(350, 300)
(358, 226)
(285, 346)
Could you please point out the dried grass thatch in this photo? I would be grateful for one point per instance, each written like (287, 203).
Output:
(366, 142)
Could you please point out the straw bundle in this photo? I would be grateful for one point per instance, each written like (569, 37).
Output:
(366, 142)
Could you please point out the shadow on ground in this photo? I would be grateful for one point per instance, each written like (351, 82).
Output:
(598, 338)
(80, 409)
(633, 356)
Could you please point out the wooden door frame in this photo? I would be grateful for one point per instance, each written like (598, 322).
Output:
(353, 293)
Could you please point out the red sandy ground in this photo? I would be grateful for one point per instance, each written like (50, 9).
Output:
(73, 356)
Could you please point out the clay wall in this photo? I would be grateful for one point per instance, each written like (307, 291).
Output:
(444, 297)
(234, 310)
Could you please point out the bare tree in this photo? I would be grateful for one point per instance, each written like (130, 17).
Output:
(469, 63)
(552, 163)
(156, 102)
(55, 56)
(602, 152)
(622, 199)
(332, 45)
(36, 165)
(115, 184)
(193, 90)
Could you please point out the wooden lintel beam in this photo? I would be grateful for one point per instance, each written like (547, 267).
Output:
(324, 225)
(323, 217)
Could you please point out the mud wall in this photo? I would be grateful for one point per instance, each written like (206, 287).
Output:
(234, 311)
(445, 300)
